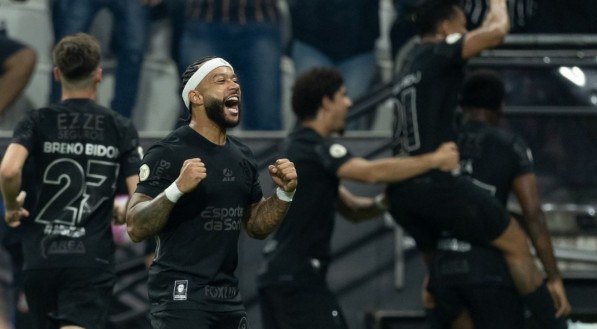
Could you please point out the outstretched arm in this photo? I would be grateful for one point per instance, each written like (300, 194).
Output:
(396, 169)
(525, 188)
(358, 208)
(491, 33)
(266, 215)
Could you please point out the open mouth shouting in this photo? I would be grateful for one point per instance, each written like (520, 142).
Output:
(231, 105)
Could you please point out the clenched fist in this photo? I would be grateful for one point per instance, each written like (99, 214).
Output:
(446, 157)
(193, 171)
(284, 174)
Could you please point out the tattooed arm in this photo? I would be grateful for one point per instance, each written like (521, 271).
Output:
(146, 217)
(266, 215)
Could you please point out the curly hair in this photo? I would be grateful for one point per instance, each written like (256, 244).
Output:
(311, 87)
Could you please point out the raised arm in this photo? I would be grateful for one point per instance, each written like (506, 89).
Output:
(10, 179)
(265, 216)
(491, 33)
(525, 188)
(147, 216)
(396, 169)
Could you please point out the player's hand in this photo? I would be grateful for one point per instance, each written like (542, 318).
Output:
(284, 174)
(13, 216)
(118, 213)
(193, 171)
(556, 289)
(446, 157)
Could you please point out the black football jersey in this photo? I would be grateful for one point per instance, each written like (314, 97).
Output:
(426, 96)
(78, 148)
(300, 248)
(493, 158)
(197, 250)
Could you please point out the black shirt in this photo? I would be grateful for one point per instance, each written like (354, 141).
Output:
(493, 158)
(426, 96)
(300, 250)
(197, 250)
(79, 149)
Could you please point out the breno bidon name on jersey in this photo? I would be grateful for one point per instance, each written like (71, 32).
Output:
(88, 149)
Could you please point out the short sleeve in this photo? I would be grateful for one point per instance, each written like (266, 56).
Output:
(25, 130)
(131, 151)
(256, 191)
(333, 155)
(250, 163)
(157, 171)
(523, 157)
(449, 51)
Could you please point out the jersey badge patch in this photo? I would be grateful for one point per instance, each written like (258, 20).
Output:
(180, 289)
(143, 172)
(337, 150)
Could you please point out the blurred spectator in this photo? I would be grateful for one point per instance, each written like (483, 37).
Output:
(247, 33)
(17, 63)
(129, 39)
(340, 34)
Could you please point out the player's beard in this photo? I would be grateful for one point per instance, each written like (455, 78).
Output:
(214, 108)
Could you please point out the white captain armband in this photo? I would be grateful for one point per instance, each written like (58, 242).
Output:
(283, 195)
(172, 192)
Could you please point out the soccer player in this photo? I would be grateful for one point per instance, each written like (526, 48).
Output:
(293, 288)
(198, 188)
(426, 96)
(79, 148)
(500, 162)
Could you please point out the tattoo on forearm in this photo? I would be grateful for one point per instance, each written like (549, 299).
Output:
(150, 217)
(265, 217)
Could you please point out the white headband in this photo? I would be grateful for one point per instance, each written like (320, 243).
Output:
(199, 75)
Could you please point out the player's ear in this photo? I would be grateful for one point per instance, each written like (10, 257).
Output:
(195, 97)
(98, 75)
(326, 103)
(57, 74)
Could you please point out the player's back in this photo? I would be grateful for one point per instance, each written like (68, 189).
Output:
(426, 95)
(78, 149)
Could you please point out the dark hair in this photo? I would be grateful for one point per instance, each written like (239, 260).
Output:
(191, 69)
(429, 13)
(483, 89)
(311, 87)
(77, 56)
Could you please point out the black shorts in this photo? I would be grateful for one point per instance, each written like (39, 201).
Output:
(300, 307)
(490, 307)
(428, 206)
(62, 296)
(198, 319)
